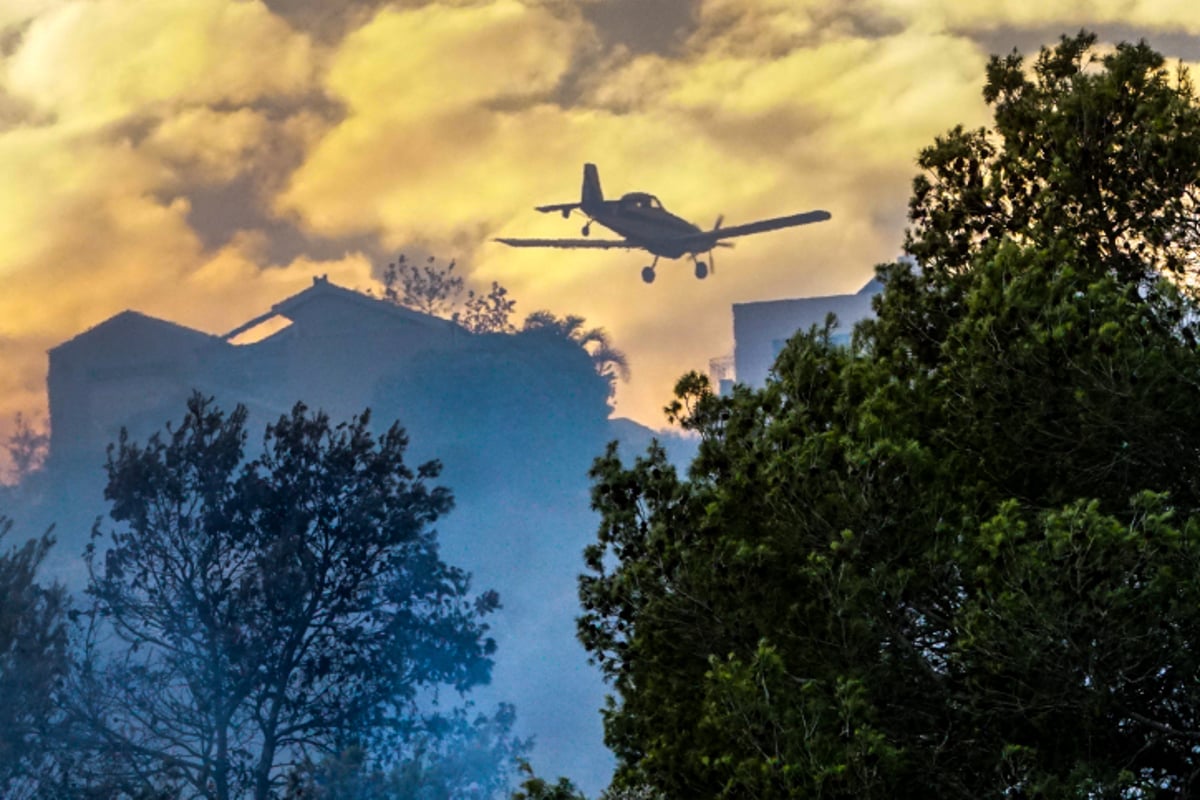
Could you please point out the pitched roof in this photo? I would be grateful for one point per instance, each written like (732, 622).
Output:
(136, 327)
(323, 291)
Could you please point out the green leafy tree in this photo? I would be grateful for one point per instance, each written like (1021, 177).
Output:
(33, 663)
(253, 615)
(959, 558)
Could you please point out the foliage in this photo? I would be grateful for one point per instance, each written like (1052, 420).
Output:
(27, 448)
(437, 291)
(961, 557)
(429, 289)
(33, 662)
(609, 362)
(451, 756)
(1103, 151)
(535, 788)
(265, 613)
(486, 313)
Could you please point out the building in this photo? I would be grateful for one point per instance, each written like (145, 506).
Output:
(326, 345)
(761, 329)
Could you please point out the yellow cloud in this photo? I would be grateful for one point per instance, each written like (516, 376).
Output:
(427, 91)
(406, 62)
(65, 199)
(760, 29)
(99, 60)
(18, 12)
(209, 146)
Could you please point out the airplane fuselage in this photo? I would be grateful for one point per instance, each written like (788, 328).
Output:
(641, 219)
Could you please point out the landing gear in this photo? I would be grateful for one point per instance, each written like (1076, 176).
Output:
(648, 272)
(706, 268)
(587, 229)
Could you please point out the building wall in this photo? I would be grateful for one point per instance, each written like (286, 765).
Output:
(761, 329)
(118, 374)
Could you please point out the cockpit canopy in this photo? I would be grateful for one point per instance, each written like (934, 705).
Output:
(640, 200)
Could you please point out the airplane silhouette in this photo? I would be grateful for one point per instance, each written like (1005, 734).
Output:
(646, 225)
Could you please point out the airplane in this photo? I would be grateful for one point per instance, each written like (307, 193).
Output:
(646, 225)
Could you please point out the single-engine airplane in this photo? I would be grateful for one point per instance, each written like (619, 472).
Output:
(646, 225)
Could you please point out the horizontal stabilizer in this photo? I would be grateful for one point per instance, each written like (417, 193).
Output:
(565, 207)
(573, 244)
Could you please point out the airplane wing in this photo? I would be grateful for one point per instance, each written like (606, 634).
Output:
(761, 226)
(565, 208)
(574, 244)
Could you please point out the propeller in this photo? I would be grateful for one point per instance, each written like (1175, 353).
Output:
(712, 260)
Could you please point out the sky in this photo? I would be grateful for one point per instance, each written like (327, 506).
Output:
(200, 160)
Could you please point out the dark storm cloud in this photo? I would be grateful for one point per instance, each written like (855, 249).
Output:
(325, 20)
(219, 213)
(660, 27)
(1174, 44)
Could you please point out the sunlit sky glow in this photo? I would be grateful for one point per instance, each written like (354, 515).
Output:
(199, 160)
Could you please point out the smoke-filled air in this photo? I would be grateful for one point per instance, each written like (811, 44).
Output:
(609, 399)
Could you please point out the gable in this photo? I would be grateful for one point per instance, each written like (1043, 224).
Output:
(134, 337)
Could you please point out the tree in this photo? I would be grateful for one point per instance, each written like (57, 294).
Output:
(27, 448)
(453, 756)
(33, 661)
(1098, 150)
(438, 291)
(487, 313)
(430, 289)
(961, 557)
(609, 362)
(269, 612)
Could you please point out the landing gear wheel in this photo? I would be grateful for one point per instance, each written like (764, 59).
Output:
(648, 274)
(587, 229)
(701, 270)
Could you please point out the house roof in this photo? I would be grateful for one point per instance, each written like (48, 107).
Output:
(135, 328)
(322, 291)
(869, 289)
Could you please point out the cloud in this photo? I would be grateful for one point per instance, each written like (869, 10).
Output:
(176, 155)
(15, 13)
(1163, 15)
(97, 60)
(449, 115)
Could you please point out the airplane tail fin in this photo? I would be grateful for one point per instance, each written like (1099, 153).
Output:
(592, 196)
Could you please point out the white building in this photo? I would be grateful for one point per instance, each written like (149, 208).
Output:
(761, 329)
